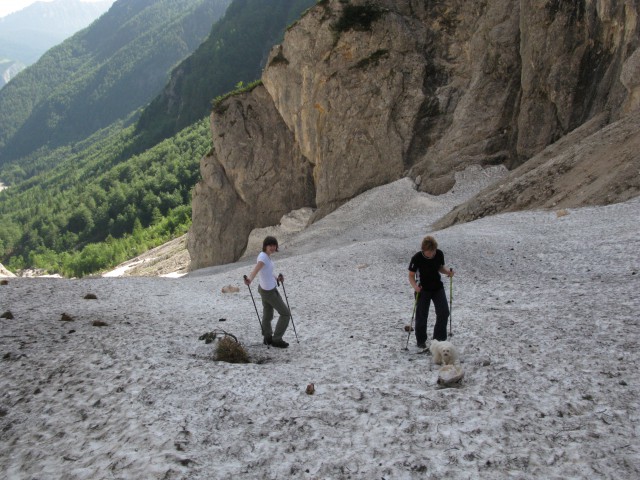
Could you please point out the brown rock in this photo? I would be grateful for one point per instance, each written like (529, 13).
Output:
(359, 95)
(254, 174)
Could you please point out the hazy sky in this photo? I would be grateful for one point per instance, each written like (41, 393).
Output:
(10, 6)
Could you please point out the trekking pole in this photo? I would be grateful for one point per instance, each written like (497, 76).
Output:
(290, 314)
(451, 306)
(254, 306)
(415, 303)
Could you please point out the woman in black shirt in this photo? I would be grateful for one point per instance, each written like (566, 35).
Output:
(429, 264)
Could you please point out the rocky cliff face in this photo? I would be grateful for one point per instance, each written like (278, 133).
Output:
(253, 175)
(362, 93)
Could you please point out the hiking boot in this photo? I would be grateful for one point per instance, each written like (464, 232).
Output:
(279, 344)
(422, 344)
(267, 340)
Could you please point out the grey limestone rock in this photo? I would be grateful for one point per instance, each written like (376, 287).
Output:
(362, 93)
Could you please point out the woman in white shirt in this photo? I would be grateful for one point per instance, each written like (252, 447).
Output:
(271, 299)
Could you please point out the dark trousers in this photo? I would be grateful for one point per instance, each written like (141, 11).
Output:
(422, 313)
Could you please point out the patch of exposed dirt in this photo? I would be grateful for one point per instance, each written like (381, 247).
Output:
(169, 259)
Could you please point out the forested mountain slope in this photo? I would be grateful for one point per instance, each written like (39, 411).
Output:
(236, 50)
(95, 202)
(102, 74)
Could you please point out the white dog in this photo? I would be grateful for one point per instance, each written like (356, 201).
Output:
(444, 353)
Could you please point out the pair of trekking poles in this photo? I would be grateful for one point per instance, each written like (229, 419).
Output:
(285, 297)
(415, 304)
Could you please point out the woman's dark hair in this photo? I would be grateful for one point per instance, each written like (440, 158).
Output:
(269, 241)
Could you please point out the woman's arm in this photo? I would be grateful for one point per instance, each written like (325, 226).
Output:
(253, 273)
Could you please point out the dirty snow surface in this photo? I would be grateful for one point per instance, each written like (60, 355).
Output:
(545, 317)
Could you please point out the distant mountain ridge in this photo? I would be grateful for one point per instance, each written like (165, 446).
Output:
(27, 34)
(235, 51)
(102, 74)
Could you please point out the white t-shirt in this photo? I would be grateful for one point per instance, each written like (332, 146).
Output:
(266, 276)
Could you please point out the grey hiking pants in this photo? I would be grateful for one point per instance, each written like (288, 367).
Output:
(271, 300)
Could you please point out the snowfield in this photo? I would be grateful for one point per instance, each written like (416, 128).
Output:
(545, 316)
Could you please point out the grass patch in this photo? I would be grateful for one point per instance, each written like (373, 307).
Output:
(217, 103)
(230, 351)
